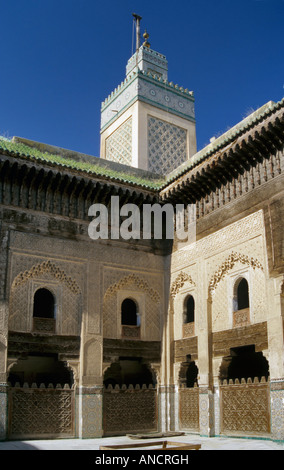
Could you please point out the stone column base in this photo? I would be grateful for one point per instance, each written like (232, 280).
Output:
(277, 409)
(163, 415)
(167, 408)
(206, 412)
(89, 412)
(3, 411)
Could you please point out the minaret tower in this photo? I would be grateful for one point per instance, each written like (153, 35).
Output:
(148, 122)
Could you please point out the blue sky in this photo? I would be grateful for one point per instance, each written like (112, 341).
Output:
(61, 58)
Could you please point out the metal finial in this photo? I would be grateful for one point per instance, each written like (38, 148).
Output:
(146, 36)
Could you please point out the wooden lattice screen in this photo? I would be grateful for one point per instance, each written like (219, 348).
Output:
(189, 409)
(129, 409)
(245, 407)
(41, 412)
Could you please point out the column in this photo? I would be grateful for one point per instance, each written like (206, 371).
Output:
(90, 390)
(3, 370)
(3, 389)
(276, 366)
(166, 377)
(4, 312)
(216, 390)
(3, 410)
(90, 404)
(206, 395)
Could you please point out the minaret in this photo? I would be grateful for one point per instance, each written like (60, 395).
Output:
(148, 122)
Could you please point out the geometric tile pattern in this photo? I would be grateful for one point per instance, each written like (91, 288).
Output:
(119, 144)
(277, 410)
(91, 416)
(3, 413)
(166, 146)
(206, 407)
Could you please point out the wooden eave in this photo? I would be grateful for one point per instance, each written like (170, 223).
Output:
(246, 151)
(28, 184)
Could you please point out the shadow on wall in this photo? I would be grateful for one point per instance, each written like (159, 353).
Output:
(39, 369)
(243, 363)
(129, 371)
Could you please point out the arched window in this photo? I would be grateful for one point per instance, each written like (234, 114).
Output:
(189, 307)
(44, 304)
(129, 313)
(241, 294)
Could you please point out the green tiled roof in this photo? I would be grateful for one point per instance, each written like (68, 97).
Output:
(226, 138)
(93, 166)
(97, 167)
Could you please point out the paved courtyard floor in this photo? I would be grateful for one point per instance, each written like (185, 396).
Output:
(215, 443)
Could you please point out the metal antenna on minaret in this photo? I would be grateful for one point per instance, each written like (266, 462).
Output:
(137, 19)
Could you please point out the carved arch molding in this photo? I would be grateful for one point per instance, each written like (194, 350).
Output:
(152, 318)
(227, 265)
(135, 280)
(47, 267)
(219, 274)
(179, 282)
(68, 308)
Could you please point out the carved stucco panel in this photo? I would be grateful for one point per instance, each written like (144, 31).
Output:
(238, 248)
(227, 238)
(222, 286)
(93, 358)
(183, 284)
(45, 274)
(136, 284)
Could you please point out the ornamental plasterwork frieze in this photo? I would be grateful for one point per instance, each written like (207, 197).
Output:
(50, 275)
(67, 254)
(179, 282)
(150, 313)
(225, 238)
(228, 264)
(138, 282)
(44, 268)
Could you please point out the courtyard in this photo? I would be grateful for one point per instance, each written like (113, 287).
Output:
(215, 443)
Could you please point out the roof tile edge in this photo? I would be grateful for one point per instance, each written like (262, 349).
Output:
(226, 138)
